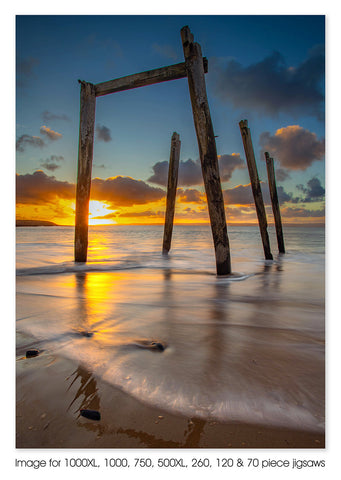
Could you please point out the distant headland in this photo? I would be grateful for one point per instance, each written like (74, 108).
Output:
(35, 223)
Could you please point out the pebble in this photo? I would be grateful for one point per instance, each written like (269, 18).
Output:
(33, 352)
(91, 414)
(87, 334)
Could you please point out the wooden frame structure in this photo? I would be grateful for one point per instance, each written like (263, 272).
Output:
(194, 68)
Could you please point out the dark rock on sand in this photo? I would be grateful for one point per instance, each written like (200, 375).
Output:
(157, 345)
(33, 352)
(87, 334)
(91, 414)
(150, 345)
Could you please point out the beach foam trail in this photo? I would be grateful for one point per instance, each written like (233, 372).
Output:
(247, 348)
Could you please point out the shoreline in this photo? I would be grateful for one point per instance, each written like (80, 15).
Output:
(51, 390)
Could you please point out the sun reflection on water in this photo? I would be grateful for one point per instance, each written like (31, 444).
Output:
(97, 293)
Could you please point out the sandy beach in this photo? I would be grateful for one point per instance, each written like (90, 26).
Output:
(243, 358)
(51, 391)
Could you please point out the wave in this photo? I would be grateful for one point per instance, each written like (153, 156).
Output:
(156, 263)
(181, 383)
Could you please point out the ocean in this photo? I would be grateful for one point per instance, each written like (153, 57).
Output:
(247, 347)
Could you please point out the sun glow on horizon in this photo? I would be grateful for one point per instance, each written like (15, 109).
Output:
(98, 211)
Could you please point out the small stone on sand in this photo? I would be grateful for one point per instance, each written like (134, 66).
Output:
(91, 414)
(33, 352)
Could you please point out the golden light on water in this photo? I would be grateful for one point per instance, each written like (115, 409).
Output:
(97, 294)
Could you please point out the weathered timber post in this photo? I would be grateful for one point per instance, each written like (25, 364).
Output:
(171, 191)
(207, 150)
(274, 201)
(85, 154)
(256, 188)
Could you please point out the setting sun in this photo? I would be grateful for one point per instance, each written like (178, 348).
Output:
(97, 213)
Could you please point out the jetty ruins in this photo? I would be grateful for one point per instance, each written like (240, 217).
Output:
(194, 69)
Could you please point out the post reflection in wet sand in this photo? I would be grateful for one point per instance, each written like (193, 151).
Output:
(87, 393)
(86, 397)
(217, 331)
(82, 325)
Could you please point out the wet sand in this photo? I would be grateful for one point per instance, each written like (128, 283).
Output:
(51, 391)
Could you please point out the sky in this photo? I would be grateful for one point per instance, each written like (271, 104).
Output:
(269, 70)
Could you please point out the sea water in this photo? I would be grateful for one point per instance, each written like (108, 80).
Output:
(247, 347)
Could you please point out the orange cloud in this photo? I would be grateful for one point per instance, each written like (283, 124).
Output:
(190, 195)
(294, 147)
(125, 191)
(51, 134)
(39, 188)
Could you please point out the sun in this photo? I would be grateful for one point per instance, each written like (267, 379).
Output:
(101, 210)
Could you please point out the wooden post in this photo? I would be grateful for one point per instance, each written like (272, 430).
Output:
(256, 189)
(163, 74)
(274, 201)
(207, 149)
(85, 154)
(171, 191)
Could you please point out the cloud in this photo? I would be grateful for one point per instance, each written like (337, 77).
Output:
(242, 195)
(49, 116)
(301, 212)
(271, 86)
(313, 192)
(125, 191)
(190, 171)
(50, 163)
(282, 174)
(190, 195)
(229, 163)
(28, 140)
(38, 189)
(147, 213)
(160, 173)
(103, 133)
(165, 50)
(294, 147)
(200, 214)
(51, 134)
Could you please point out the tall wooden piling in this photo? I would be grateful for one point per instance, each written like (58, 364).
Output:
(171, 191)
(85, 155)
(275, 202)
(256, 188)
(207, 149)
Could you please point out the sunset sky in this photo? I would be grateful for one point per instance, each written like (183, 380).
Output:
(267, 69)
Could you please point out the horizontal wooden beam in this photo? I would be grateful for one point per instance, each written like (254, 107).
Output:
(164, 74)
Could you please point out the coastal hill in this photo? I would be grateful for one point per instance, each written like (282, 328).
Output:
(34, 223)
